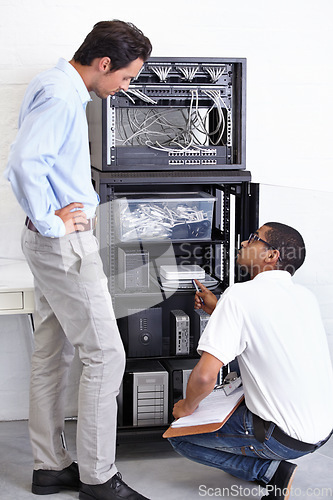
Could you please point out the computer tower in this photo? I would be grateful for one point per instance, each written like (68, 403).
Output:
(179, 372)
(179, 332)
(199, 323)
(141, 332)
(144, 394)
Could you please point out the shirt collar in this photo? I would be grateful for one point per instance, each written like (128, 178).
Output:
(76, 79)
(276, 275)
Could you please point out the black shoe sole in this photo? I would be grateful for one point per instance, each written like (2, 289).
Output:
(49, 490)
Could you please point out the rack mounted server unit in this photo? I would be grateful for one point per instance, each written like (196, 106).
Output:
(177, 114)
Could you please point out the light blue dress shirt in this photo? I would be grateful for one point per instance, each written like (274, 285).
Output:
(49, 161)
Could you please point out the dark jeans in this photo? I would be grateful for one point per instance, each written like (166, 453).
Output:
(235, 450)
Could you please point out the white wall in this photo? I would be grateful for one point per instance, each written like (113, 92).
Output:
(310, 211)
(289, 98)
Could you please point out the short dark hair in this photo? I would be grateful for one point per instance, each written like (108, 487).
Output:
(121, 42)
(290, 244)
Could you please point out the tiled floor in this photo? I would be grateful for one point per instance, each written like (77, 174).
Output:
(154, 469)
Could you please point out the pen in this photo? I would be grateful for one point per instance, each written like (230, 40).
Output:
(197, 289)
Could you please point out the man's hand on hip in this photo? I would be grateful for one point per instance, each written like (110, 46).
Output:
(74, 220)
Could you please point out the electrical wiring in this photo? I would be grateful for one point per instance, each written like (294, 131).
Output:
(215, 96)
(188, 72)
(127, 95)
(198, 122)
(169, 128)
(149, 220)
(161, 71)
(214, 72)
(142, 96)
(147, 126)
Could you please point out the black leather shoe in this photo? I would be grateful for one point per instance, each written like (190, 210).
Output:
(113, 489)
(45, 482)
(280, 484)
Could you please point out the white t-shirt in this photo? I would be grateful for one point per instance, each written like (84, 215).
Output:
(274, 328)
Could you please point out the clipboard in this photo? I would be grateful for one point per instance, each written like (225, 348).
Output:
(201, 428)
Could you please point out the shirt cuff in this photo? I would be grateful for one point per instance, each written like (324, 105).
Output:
(52, 227)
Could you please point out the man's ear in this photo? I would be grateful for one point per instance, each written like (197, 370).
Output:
(272, 257)
(104, 64)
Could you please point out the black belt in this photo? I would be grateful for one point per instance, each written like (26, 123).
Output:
(30, 225)
(91, 224)
(261, 426)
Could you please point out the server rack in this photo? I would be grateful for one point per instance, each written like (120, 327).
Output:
(179, 113)
(138, 173)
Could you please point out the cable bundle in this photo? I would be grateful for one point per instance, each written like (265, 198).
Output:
(188, 72)
(140, 95)
(161, 71)
(155, 220)
(215, 72)
(171, 129)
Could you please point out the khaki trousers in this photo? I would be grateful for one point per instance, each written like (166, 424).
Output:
(73, 310)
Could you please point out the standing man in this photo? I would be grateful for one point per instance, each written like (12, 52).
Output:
(274, 329)
(49, 170)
